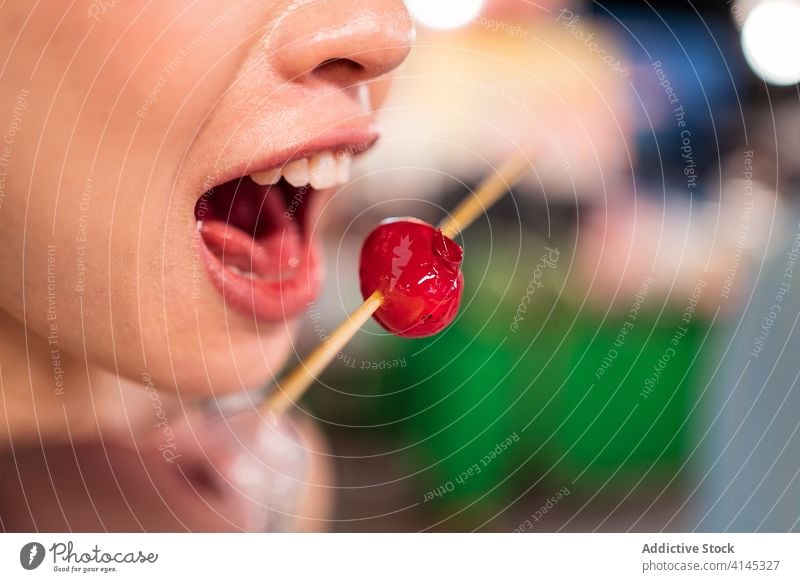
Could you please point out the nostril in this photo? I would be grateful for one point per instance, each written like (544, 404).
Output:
(339, 70)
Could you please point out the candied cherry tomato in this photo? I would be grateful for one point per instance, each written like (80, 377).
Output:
(418, 270)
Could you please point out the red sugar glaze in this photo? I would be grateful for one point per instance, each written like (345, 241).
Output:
(418, 270)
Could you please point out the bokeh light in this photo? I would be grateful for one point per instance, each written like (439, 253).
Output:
(771, 41)
(444, 14)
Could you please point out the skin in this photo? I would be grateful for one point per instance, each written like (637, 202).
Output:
(122, 114)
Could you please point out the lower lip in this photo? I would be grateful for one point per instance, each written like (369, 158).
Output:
(285, 259)
(267, 301)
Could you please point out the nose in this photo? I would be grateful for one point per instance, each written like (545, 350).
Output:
(341, 41)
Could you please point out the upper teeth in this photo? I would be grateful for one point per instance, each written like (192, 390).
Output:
(323, 170)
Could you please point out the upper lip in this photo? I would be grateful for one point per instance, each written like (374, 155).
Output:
(353, 139)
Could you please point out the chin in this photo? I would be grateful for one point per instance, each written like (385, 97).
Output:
(241, 366)
(198, 346)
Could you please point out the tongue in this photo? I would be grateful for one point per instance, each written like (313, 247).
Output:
(257, 236)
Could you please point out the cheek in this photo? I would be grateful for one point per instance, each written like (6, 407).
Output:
(97, 211)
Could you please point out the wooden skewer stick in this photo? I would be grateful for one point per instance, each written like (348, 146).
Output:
(292, 386)
(295, 383)
(489, 192)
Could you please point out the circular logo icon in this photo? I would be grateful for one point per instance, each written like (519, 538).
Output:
(31, 555)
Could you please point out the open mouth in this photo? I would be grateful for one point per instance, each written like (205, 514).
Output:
(256, 235)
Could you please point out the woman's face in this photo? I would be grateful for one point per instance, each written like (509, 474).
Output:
(128, 237)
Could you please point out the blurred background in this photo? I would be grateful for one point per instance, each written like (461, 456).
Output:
(626, 356)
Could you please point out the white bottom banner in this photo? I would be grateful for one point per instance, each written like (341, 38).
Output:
(355, 557)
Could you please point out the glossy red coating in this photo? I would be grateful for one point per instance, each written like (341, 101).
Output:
(418, 270)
